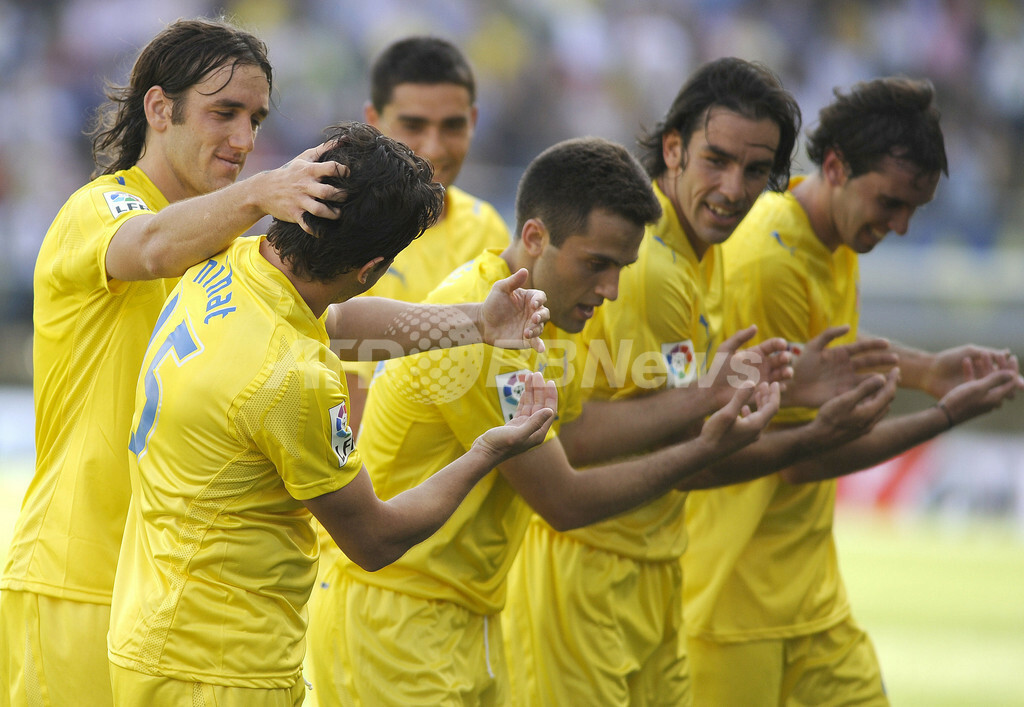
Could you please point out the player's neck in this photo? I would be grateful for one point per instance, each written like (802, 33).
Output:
(317, 295)
(812, 195)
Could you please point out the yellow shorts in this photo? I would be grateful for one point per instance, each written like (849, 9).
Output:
(833, 667)
(133, 688)
(53, 651)
(329, 553)
(374, 647)
(587, 627)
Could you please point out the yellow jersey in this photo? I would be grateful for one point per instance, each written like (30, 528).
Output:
(89, 339)
(662, 331)
(423, 412)
(762, 562)
(240, 414)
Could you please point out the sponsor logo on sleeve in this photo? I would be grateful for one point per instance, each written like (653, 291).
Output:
(510, 390)
(341, 435)
(121, 203)
(680, 362)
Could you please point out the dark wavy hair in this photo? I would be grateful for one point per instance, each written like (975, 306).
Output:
(744, 87)
(886, 117)
(181, 56)
(390, 200)
(566, 182)
(419, 59)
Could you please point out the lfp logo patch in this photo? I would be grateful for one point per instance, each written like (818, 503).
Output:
(510, 389)
(341, 435)
(121, 203)
(680, 362)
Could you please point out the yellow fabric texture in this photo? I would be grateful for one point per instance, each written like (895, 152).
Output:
(52, 651)
(378, 648)
(240, 414)
(837, 666)
(761, 562)
(132, 688)
(589, 627)
(90, 336)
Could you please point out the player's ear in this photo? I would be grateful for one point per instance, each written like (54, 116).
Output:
(159, 108)
(371, 271)
(535, 237)
(834, 168)
(370, 115)
(672, 151)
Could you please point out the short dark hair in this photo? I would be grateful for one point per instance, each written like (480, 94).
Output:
(893, 116)
(419, 59)
(569, 180)
(390, 200)
(744, 87)
(181, 56)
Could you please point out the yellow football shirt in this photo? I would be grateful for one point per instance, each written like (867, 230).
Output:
(423, 412)
(90, 336)
(662, 331)
(240, 412)
(762, 561)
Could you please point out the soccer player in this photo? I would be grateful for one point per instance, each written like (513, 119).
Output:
(767, 615)
(233, 446)
(729, 134)
(169, 147)
(422, 92)
(424, 630)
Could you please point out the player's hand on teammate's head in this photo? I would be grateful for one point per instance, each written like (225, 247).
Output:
(297, 187)
(530, 423)
(513, 316)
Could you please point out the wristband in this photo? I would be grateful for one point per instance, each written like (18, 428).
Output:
(945, 410)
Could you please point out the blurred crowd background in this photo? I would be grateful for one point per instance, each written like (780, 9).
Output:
(550, 70)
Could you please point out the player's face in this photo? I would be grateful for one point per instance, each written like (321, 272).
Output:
(584, 271)
(866, 208)
(435, 120)
(207, 149)
(714, 179)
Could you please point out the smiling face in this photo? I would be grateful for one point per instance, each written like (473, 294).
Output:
(864, 209)
(435, 120)
(203, 147)
(583, 271)
(714, 179)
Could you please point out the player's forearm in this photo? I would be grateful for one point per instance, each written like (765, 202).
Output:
(608, 430)
(414, 515)
(915, 366)
(598, 493)
(377, 328)
(189, 231)
(886, 440)
(777, 449)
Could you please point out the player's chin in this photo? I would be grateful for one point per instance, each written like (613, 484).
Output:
(572, 323)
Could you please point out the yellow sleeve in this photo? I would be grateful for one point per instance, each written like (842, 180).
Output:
(305, 433)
